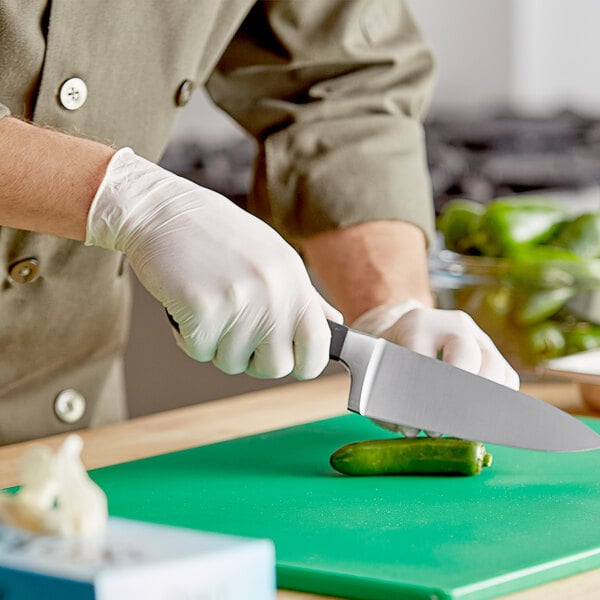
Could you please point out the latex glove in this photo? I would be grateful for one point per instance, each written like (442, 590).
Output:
(238, 292)
(56, 496)
(453, 334)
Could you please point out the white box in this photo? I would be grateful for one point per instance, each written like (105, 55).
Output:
(136, 560)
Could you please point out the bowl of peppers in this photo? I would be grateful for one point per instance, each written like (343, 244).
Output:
(527, 269)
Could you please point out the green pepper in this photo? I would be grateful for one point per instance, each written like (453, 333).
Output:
(581, 235)
(499, 300)
(546, 266)
(584, 336)
(509, 223)
(535, 306)
(398, 456)
(457, 221)
(543, 341)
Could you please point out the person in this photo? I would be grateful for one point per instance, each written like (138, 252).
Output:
(333, 91)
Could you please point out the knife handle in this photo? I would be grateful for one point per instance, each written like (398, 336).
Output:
(338, 336)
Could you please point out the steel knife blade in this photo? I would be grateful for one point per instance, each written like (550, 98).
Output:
(392, 383)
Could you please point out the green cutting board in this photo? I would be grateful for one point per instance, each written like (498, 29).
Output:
(531, 518)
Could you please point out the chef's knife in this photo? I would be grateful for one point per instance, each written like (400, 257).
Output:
(394, 384)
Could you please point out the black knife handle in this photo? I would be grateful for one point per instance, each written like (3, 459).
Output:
(338, 335)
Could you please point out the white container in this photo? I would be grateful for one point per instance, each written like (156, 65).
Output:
(136, 560)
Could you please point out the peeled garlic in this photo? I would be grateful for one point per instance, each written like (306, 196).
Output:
(57, 495)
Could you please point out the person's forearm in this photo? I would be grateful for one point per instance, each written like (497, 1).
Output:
(47, 178)
(370, 264)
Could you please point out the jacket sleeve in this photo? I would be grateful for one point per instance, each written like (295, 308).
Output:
(334, 92)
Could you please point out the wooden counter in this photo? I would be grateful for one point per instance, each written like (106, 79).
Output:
(262, 411)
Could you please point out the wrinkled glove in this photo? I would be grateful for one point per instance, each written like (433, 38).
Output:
(451, 334)
(238, 292)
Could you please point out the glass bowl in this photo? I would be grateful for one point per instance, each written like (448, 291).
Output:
(543, 315)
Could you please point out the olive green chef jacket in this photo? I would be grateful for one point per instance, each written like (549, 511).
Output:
(333, 90)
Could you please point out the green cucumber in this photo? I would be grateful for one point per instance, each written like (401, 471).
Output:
(421, 455)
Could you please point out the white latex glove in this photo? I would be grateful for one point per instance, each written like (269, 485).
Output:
(450, 333)
(239, 293)
(57, 496)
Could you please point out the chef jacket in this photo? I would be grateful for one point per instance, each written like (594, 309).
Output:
(332, 90)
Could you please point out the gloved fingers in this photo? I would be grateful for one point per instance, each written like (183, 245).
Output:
(235, 350)
(200, 339)
(197, 339)
(331, 313)
(312, 339)
(511, 378)
(493, 365)
(459, 339)
(463, 352)
(477, 354)
(273, 357)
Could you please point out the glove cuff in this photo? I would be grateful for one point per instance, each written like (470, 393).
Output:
(377, 320)
(105, 216)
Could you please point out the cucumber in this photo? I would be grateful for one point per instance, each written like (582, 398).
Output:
(422, 455)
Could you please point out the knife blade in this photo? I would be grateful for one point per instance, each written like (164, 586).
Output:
(392, 383)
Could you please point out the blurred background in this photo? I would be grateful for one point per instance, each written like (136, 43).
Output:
(516, 109)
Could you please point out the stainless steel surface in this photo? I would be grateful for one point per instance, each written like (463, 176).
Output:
(391, 383)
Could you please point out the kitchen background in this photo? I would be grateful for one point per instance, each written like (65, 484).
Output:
(516, 108)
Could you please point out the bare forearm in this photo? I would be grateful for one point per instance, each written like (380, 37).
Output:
(48, 179)
(370, 264)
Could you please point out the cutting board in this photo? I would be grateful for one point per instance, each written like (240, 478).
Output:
(530, 518)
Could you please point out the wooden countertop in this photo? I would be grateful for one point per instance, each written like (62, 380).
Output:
(263, 411)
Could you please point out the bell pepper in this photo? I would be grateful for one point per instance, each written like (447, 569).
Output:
(457, 221)
(545, 266)
(581, 235)
(509, 223)
(499, 300)
(544, 278)
(535, 306)
(584, 336)
(544, 340)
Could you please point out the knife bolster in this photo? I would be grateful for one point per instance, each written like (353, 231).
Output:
(338, 336)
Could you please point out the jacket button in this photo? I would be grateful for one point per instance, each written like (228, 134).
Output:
(24, 271)
(73, 93)
(184, 93)
(69, 405)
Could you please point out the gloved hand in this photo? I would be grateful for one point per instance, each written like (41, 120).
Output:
(239, 293)
(433, 332)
